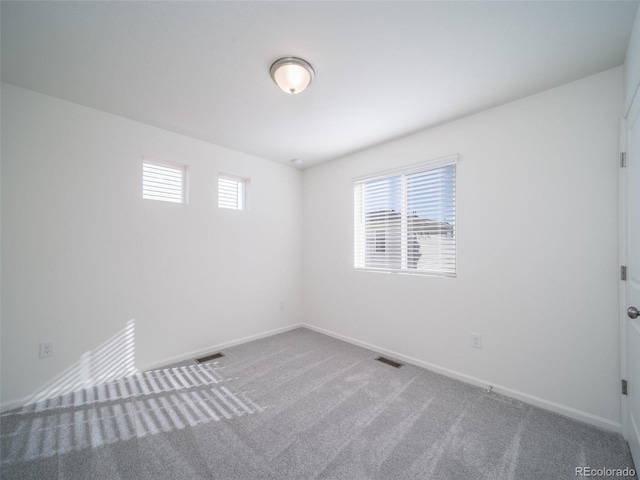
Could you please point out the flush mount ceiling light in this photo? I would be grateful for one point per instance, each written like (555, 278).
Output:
(292, 74)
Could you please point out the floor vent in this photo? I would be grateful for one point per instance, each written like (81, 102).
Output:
(208, 358)
(388, 361)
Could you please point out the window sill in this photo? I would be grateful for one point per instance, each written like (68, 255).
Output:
(406, 272)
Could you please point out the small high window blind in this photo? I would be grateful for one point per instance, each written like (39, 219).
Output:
(231, 192)
(163, 181)
(405, 220)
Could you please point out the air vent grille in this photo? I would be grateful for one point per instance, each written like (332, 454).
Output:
(208, 358)
(388, 361)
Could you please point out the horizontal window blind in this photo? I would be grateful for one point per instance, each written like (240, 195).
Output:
(163, 182)
(404, 221)
(231, 193)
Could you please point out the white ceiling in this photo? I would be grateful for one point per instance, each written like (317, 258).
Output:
(383, 69)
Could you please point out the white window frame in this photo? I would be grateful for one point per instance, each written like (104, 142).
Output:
(177, 168)
(242, 187)
(442, 259)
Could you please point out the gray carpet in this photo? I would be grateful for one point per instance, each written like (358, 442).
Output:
(297, 406)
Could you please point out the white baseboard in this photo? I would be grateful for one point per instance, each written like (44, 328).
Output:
(168, 361)
(10, 405)
(565, 410)
(219, 346)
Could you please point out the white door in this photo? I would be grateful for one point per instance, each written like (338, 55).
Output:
(632, 285)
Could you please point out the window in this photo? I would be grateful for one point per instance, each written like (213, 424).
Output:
(163, 181)
(405, 219)
(232, 192)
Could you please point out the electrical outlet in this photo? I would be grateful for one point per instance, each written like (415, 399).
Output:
(476, 340)
(46, 349)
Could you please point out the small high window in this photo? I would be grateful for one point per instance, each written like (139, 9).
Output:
(232, 192)
(164, 181)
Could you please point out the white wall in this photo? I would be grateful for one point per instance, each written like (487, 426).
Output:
(537, 217)
(632, 62)
(83, 253)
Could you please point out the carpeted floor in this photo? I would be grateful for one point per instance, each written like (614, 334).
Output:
(299, 405)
